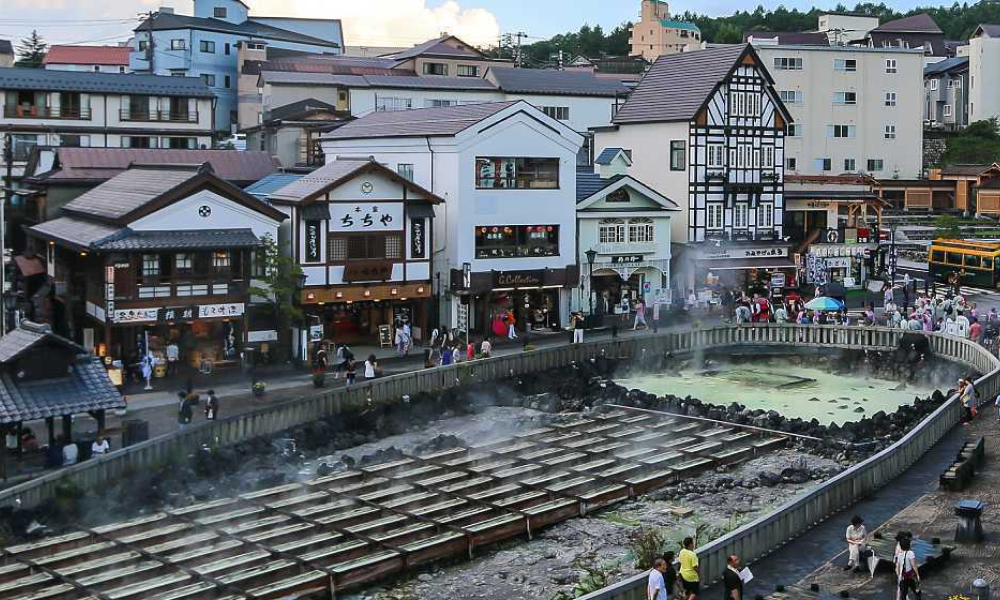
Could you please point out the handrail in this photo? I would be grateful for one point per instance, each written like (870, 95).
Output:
(272, 420)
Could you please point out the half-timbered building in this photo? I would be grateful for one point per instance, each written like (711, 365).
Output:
(707, 129)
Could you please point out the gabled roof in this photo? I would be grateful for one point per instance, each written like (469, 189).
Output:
(309, 187)
(589, 183)
(438, 47)
(263, 189)
(30, 335)
(144, 189)
(445, 121)
(608, 154)
(970, 170)
(164, 21)
(103, 83)
(128, 240)
(678, 85)
(95, 165)
(957, 63)
(300, 109)
(87, 55)
(540, 81)
(986, 29)
(922, 23)
(400, 81)
(78, 233)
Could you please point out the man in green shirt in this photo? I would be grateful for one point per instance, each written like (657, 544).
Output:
(690, 572)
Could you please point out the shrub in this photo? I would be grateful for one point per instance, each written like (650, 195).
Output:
(646, 544)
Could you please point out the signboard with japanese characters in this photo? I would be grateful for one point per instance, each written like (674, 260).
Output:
(208, 311)
(135, 315)
(418, 236)
(180, 314)
(367, 270)
(313, 237)
(627, 259)
(722, 253)
(371, 216)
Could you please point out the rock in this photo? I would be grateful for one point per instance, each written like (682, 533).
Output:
(424, 578)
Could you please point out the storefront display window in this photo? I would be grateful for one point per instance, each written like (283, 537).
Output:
(517, 241)
(517, 173)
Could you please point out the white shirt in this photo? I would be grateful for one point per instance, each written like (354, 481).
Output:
(173, 352)
(486, 348)
(656, 584)
(369, 369)
(903, 562)
(856, 533)
(70, 454)
(962, 326)
(100, 448)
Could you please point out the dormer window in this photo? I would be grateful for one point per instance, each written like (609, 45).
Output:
(219, 12)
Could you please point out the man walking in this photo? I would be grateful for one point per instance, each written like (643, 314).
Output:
(690, 572)
(731, 580)
(640, 314)
(577, 324)
(211, 406)
(656, 587)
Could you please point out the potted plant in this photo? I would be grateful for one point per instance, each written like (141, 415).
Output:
(259, 387)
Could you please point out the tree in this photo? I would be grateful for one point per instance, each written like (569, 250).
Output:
(978, 144)
(947, 227)
(279, 286)
(31, 51)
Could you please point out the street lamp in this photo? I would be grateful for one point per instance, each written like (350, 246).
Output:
(591, 256)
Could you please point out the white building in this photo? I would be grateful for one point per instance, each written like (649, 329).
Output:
(86, 109)
(854, 109)
(984, 84)
(843, 28)
(505, 235)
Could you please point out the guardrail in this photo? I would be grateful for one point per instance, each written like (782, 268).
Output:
(769, 532)
(269, 421)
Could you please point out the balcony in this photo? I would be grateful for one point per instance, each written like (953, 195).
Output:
(30, 111)
(627, 248)
(158, 116)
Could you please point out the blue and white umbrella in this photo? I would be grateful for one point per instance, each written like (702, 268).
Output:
(825, 304)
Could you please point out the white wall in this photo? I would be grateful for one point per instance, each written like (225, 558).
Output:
(584, 111)
(186, 214)
(87, 68)
(984, 83)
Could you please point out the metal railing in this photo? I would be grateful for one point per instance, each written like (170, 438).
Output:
(64, 113)
(165, 116)
(750, 541)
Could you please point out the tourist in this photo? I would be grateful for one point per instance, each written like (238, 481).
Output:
(511, 322)
(70, 453)
(975, 330)
(914, 323)
(731, 580)
(962, 325)
(185, 414)
(211, 406)
(997, 404)
(403, 339)
(870, 315)
(173, 357)
(625, 307)
(887, 296)
(856, 537)
(470, 351)
(742, 312)
(845, 317)
(894, 319)
(147, 369)
(577, 323)
(435, 334)
(486, 348)
(781, 314)
(973, 311)
(350, 372)
(371, 367)
(456, 355)
(907, 571)
(967, 392)
(320, 361)
(446, 355)
(656, 587)
(670, 574)
(690, 572)
(640, 315)
(100, 446)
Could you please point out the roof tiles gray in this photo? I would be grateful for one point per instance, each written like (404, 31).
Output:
(239, 168)
(76, 232)
(923, 23)
(103, 83)
(677, 85)
(446, 121)
(194, 239)
(272, 183)
(437, 47)
(128, 191)
(540, 81)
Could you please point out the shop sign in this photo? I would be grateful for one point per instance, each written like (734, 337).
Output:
(384, 216)
(262, 336)
(777, 280)
(207, 311)
(725, 253)
(367, 271)
(864, 235)
(463, 316)
(182, 314)
(417, 237)
(514, 279)
(851, 236)
(838, 262)
(313, 240)
(627, 260)
(316, 333)
(134, 315)
(832, 236)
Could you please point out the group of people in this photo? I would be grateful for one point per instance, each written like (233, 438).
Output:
(188, 400)
(904, 559)
(665, 582)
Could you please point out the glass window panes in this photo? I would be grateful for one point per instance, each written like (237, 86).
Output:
(640, 231)
(516, 241)
(611, 231)
(150, 265)
(517, 173)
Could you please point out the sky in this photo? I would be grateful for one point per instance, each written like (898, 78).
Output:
(366, 22)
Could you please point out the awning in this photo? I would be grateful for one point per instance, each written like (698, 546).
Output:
(420, 210)
(317, 211)
(735, 264)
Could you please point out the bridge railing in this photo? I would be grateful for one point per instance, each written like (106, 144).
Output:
(269, 421)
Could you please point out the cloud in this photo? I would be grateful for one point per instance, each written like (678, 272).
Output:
(392, 22)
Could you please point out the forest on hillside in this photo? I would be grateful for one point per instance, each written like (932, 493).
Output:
(957, 21)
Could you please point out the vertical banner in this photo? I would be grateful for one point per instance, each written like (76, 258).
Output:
(313, 240)
(418, 247)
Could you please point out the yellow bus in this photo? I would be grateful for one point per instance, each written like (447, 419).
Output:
(972, 263)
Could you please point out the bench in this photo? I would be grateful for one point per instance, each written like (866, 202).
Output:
(929, 555)
(960, 473)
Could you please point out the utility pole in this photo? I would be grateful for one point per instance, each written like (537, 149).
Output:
(519, 58)
(8, 184)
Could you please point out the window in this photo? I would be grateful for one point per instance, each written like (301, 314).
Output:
(560, 113)
(765, 215)
(139, 141)
(954, 84)
(714, 220)
(219, 12)
(741, 215)
(716, 156)
(435, 69)
(611, 231)
(221, 260)
(225, 81)
(791, 163)
(824, 164)
(875, 165)
(890, 98)
(432, 103)
(508, 173)
(389, 103)
(848, 65)
(890, 132)
(841, 131)
(228, 48)
(208, 79)
(467, 71)
(678, 150)
(768, 159)
(640, 231)
(845, 97)
(890, 65)
(207, 46)
(737, 103)
(794, 130)
(344, 248)
(121, 69)
(150, 265)
(184, 263)
(143, 45)
(252, 46)
(787, 64)
(947, 110)
(74, 141)
(934, 84)
(405, 171)
(791, 96)
(517, 241)
(178, 44)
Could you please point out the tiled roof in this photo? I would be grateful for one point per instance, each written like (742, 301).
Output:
(309, 78)
(74, 231)
(430, 83)
(87, 55)
(446, 121)
(540, 81)
(128, 191)
(300, 108)
(103, 83)
(101, 164)
(275, 181)
(192, 239)
(607, 155)
(922, 23)
(6, 47)
(249, 28)
(948, 64)
(85, 388)
(29, 335)
(677, 85)
(331, 175)
(965, 169)
(437, 47)
(588, 182)
(988, 30)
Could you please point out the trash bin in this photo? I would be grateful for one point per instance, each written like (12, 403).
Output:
(980, 590)
(134, 431)
(970, 525)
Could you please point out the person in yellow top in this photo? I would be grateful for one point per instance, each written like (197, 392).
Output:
(690, 572)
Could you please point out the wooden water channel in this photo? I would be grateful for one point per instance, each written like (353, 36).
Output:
(344, 530)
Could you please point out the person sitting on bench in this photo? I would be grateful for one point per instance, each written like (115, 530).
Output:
(856, 536)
